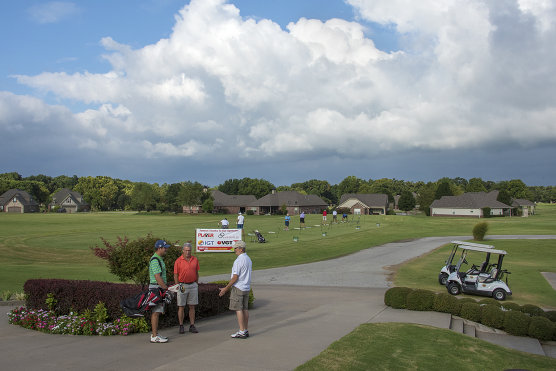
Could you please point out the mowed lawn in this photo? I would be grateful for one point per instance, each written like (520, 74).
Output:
(526, 259)
(401, 346)
(58, 245)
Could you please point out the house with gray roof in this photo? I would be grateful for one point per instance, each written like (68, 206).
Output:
(525, 207)
(364, 203)
(18, 201)
(68, 200)
(231, 204)
(295, 203)
(469, 204)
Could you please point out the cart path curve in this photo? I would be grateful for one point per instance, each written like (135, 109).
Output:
(366, 268)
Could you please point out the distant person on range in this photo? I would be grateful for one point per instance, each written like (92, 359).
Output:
(157, 279)
(334, 216)
(302, 219)
(224, 223)
(287, 222)
(240, 219)
(186, 273)
(324, 213)
(240, 284)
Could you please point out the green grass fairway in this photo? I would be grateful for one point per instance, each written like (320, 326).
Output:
(57, 245)
(399, 346)
(526, 260)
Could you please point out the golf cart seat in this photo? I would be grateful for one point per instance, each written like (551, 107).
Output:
(483, 266)
(491, 277)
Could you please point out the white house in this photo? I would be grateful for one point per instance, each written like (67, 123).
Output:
(469, 204)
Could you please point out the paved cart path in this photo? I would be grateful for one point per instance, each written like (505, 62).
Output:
(289, 325)
(366, 268)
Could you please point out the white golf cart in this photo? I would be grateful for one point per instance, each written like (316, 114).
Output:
(485, 280)
(450, 266)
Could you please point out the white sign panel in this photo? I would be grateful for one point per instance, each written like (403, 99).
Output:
(216, 240)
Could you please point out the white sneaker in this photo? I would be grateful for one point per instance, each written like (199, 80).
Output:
(238, 335)
(158, 339)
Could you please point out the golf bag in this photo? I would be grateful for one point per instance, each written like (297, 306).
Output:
(260, 237)
(137, 305)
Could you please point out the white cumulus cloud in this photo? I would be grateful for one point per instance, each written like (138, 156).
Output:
(470, 73)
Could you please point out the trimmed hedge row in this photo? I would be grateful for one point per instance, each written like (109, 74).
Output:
(515, 319)
(77, 296)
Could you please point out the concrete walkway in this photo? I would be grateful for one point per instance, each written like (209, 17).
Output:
(289, 325)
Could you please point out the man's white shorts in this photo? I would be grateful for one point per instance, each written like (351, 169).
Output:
(188, 294)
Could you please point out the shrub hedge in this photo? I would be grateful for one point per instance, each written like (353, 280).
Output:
(526, 320)
(492, 316)
(471, 311)
(79, 296)
(396, 297)
(421, 300)
(532, 310)
(511, 306)
(446, 303)
(490, 301)
(551, 315)
(516, 323)
(541, 328)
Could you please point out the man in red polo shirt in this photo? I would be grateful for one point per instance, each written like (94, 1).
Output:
(186, 273)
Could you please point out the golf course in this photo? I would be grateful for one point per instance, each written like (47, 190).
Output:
(59, 245)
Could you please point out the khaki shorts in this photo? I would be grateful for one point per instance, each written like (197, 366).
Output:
(159, 308)
(190, 296)
(239, 300)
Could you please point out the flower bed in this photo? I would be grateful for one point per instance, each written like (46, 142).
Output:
(93, 308)
(74, 324)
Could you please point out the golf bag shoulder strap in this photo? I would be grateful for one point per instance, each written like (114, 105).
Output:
(158, 260)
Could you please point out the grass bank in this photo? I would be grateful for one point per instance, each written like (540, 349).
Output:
(394, 346)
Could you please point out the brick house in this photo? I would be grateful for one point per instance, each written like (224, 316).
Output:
(69, 200)
(295, 203)
(17, 201)
(231, 204)
(364, 203)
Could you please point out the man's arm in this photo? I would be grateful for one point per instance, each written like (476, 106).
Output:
(175, 278)
(223, 290)
(160, 282)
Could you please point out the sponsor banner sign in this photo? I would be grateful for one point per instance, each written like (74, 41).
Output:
(216, 240)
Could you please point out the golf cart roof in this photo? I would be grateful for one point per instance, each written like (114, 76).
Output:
(482, 248)
(468, 245)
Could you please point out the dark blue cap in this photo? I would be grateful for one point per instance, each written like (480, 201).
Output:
(161, 243)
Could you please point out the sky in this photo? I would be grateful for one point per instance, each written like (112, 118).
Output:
(206, 90)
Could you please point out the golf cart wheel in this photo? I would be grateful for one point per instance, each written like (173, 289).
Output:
(499, 294)
(442, 279)
(454, 289)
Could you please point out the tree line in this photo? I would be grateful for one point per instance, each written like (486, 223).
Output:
(104, 193)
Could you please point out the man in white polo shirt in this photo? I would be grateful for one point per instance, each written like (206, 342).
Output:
(240, 283)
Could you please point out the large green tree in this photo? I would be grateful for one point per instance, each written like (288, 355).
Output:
(143, 197)
(475, 185)
(443, 189)
(426, 197)
(406, 201)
